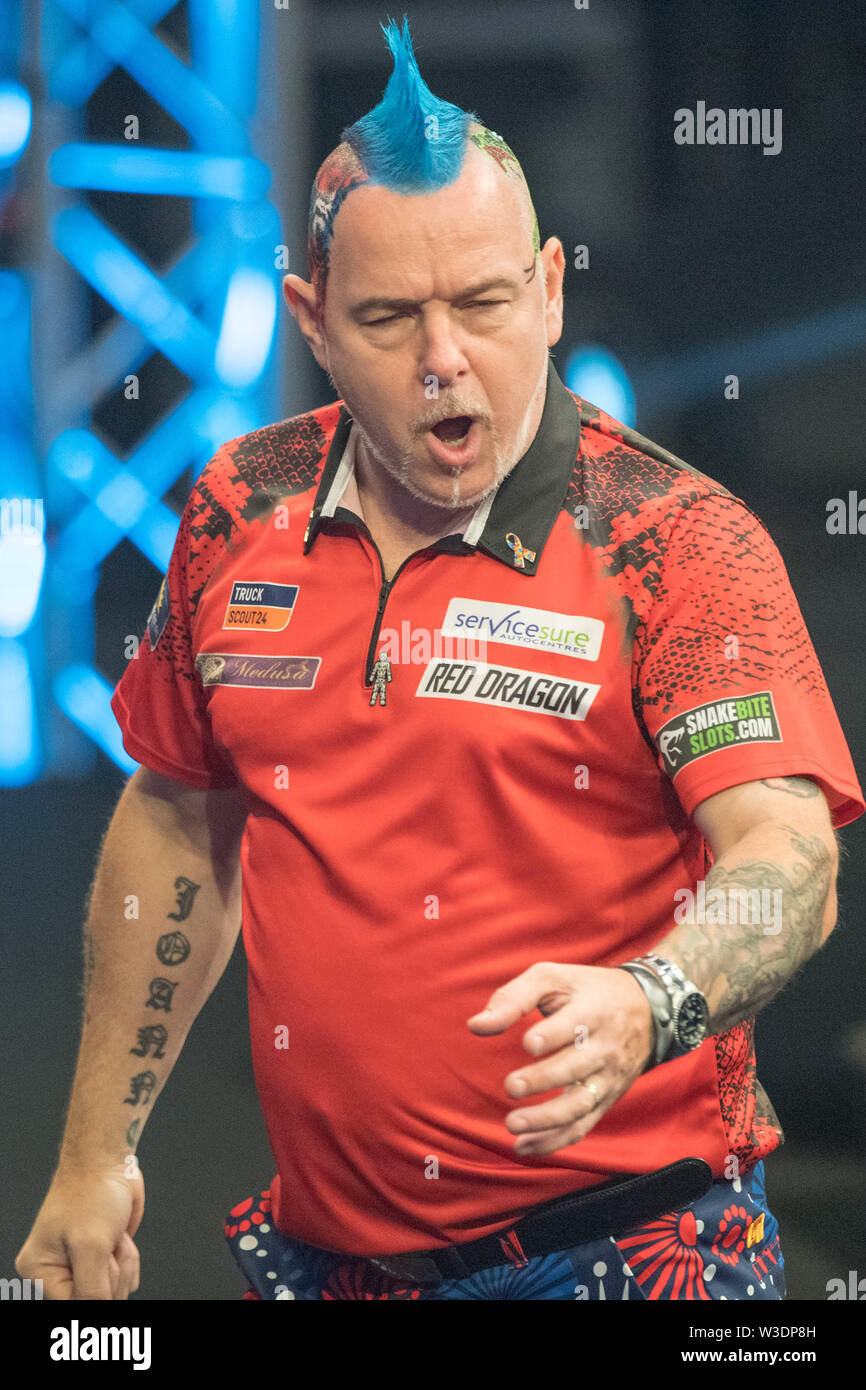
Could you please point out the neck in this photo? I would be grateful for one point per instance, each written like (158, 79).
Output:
(396, 512)
(388, 504)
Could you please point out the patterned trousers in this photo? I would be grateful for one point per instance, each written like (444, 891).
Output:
(724, 1246)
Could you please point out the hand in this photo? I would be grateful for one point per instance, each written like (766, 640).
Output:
(598, 1027)
(81, 1244)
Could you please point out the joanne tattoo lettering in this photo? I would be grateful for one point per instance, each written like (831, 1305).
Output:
(186, 891)
(161, 992)
(173, 948)
(148, 1038)
(141, 1087)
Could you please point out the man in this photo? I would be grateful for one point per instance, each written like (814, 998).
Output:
(476, 684)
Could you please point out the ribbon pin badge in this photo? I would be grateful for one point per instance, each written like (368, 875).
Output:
(521, 554)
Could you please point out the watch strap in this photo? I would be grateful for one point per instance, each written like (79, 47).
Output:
(660, 1008)
(678, 988)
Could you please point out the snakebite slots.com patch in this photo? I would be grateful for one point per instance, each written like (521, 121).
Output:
(715, 725)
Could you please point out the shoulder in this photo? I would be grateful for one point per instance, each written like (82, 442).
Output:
(253, 472)
(624, 473)
(645, 507)
(244, 480)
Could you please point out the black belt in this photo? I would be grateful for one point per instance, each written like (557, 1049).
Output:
(610, 1209)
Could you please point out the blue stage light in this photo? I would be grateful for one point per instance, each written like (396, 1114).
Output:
(600, 378)
(212, 312)
(677, 383)
(22, 562)
(126, 282)
(16, 114)
(85, 698)
(214, 25)
(124, 38)
(180, 173)
(247, 329)
(82, 65)
(122, 503)
(19, 732)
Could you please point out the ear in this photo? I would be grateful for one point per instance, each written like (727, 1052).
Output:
(303, 304)
(553, 267)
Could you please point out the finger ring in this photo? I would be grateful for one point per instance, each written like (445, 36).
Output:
(591, 1087)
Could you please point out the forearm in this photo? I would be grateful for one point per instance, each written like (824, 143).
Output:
(163, 918)
(769, 901)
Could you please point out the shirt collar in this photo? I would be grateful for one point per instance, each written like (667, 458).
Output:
(514, 522)
(343, 495)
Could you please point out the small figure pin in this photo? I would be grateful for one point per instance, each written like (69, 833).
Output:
(381, 675)
(521, 554)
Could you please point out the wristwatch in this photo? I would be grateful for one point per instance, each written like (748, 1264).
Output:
(681, 1014)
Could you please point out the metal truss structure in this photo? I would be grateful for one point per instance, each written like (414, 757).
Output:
(211, 312)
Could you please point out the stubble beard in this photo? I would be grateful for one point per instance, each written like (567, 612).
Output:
(402, 465)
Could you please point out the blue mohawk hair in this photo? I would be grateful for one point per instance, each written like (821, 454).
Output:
(412, 142)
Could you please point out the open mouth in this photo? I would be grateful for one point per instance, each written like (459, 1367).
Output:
(454, 430)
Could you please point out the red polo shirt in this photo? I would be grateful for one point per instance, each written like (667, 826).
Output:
(613, 639)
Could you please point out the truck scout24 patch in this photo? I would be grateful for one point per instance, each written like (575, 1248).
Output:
(264, 607)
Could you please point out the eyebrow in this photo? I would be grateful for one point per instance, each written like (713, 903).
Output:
(364, 306)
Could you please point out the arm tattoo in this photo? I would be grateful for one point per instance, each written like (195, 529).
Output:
(186, 891)
(794, 786)
(141, 1088)
(152, 1036)
(172, 948)
(736, 959)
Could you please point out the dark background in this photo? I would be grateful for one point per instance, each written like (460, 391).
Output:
(697, 257)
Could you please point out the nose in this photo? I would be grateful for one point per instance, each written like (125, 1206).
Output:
(441, 354)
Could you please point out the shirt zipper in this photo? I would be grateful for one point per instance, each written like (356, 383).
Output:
(385, 589)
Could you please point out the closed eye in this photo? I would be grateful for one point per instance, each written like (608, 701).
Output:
(470, 304)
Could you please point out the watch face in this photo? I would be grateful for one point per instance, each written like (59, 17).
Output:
(692, 1019)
